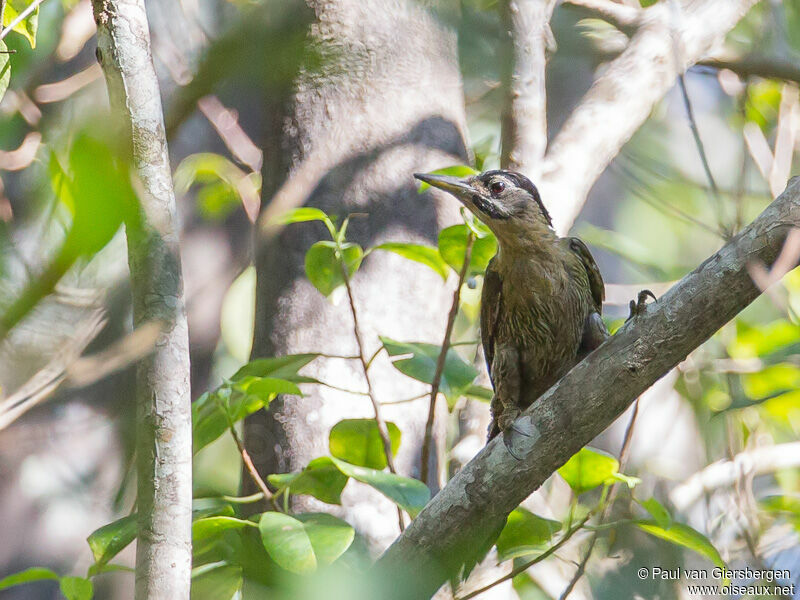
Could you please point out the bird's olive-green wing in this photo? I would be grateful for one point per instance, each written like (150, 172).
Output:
(595, 279)
(491, 299)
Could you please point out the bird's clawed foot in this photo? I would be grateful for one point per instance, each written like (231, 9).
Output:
(638, 306)
(512, 429)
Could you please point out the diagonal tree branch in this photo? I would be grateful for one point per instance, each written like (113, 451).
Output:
(772, 67)
(671, 37)
(723, 473)
(582, 404)
(163, 411)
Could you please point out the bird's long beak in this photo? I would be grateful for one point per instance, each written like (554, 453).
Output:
(458, 187)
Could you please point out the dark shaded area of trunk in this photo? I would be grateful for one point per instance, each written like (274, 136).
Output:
(391, 104)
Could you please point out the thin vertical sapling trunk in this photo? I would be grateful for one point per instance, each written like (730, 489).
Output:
(163, 411)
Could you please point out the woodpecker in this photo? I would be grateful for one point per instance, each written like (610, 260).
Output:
(542, 294)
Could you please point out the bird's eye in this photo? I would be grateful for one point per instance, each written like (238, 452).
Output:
(497, 188)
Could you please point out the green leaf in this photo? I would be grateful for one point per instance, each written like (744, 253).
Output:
(95, 570)
(323, 268)
(265, 388)
(780, 337)
(111, 539)
(28, 26)
(252, 387)
(300, 215)
(213, 526)
(763, 100)
(330, 537)
(282, 367)
(657, 511)
(5, 69)
(27, 576)
(770, 381)
(453, 246)
(321, 478)
(426, 255)
(588, 469)
(409, 494)
(102, 195)
(287, 543)
(525, 533)
(224, 184)
(454, 171)
(478, 392)
(214, 412)
(631, 482)
(218, 583)
(457, 375)
(359, 442)
(237, 316)
(781, 504)
(683, 535)
(784, 506)
(76, 588)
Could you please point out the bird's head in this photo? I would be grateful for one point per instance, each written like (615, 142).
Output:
(506, 201)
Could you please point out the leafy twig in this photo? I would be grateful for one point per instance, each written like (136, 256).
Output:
(383, 431)
(20, 18)
(623, 455)
(524, 567)
(703, 157)
(440, 361)
(251, 469)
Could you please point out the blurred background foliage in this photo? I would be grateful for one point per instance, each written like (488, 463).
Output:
(712, 470)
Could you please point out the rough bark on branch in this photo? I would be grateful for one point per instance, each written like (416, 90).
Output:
(670, 38)
(163, 411)
(583, 403)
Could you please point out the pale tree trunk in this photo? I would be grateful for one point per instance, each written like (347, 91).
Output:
(393, 104)
(524, 126)
(163, 412)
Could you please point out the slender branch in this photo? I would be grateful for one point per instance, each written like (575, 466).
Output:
(441, 359)
(341, 356)
(769, 67)
(724, 473)
(20, 17)
(525, 566)
(584, 402)
(236, 499)
(701, 150)
(254, 474)
(524, 124)
(405, 400)
(383, 431)
(48, 379)
(612, 495)
(163, 398)
(374, 356)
